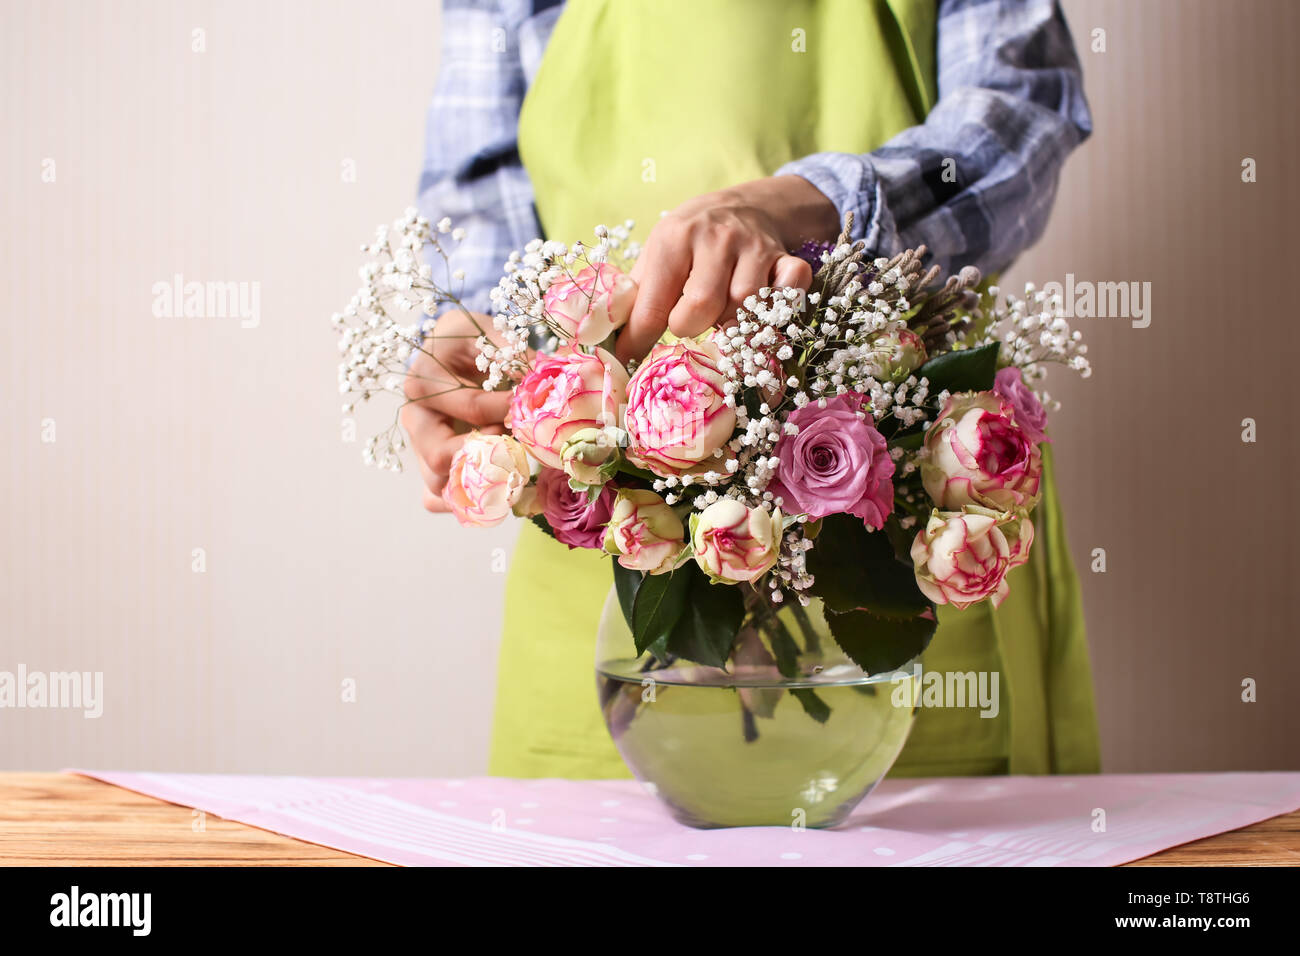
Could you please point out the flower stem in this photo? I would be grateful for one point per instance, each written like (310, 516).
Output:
(812, 643)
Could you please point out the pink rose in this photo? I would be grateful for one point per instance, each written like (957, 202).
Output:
(1029, 412)
(677, 415)
(733, 543)
(977, 454)
(592, 304)
(488, 475)
(836, 463)
(576, 520)
(565, 393)
(963, 557)
(644, 532)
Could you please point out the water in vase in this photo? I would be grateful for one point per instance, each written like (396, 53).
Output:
(758, 753)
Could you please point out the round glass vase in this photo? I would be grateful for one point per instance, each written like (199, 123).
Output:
(750, 745)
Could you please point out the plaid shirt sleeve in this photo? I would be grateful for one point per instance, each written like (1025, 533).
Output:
(472, 172)
(1011, 108)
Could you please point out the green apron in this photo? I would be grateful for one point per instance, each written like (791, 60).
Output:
(637, 107)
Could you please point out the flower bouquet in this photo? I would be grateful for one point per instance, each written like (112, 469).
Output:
(785, 499)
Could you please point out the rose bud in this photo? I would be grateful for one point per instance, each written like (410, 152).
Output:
(894, 355)
(489, 474)
(591, 455)
(963, 557)
(733, 543)
(592, 304)
(644, 532)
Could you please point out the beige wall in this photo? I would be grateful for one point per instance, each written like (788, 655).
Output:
(180, 433)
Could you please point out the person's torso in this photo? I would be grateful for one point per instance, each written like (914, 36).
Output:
(639, 106)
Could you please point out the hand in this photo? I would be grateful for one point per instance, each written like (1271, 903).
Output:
(702, 259)
(445, 399)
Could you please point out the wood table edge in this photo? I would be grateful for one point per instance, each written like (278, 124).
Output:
(55, 809)
(76, 802)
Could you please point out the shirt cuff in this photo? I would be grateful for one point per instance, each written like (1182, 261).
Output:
(849, 181)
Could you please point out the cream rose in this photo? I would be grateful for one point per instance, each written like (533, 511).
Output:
(488, 475)
(565, 393)
(592, 304)
(962, 557)
(644, 533)
(677, 414)
(733, 543)
(976, 454)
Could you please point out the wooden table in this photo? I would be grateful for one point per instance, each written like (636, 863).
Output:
(59, 819)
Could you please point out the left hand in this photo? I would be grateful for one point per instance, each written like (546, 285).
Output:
(704, 258)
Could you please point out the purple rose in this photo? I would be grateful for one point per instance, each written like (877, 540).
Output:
(575, 521)
(1028, 411)
(837, 463)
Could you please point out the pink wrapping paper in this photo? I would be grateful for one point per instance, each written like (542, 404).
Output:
(959, 821)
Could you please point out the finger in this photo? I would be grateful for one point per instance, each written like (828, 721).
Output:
(427, 476)
(705, 296)
(434, 504)
(430, 375)
(435, 471)
(428, 429)
(475, 406)
(470, 405)
(439, 458)
(664, 268)
(753, 272)
(792, 272)
(429, 497)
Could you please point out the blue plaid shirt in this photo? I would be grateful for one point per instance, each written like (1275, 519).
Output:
(1011, 108)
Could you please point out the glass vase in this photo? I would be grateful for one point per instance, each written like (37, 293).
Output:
(790, 733)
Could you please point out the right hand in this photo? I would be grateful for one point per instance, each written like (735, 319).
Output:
(445, 399)
(705, 257)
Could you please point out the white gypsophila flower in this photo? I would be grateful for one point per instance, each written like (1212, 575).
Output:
(1033, 332)
(386, 321)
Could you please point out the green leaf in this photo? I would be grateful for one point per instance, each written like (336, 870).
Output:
(623, 466)
(901, 539)
(813, 705)
(786, 652)
(910, 441)
(878, 644)
(542, 523)
(626, 584)
(659, 603)
(856, 568)
(706, 632)
(965, 370)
